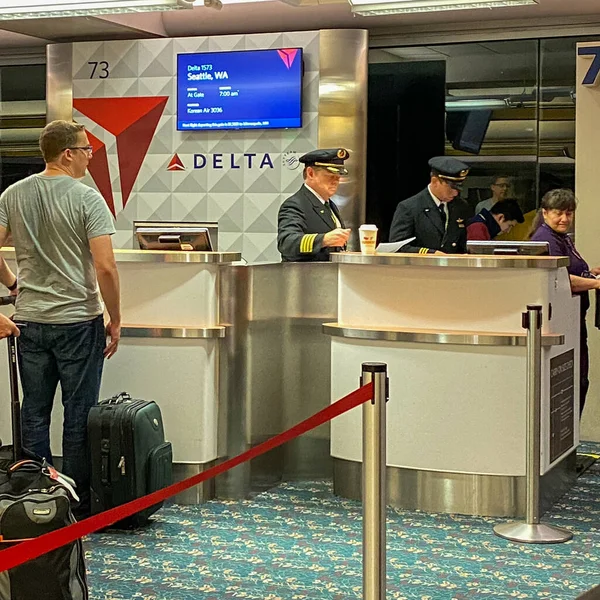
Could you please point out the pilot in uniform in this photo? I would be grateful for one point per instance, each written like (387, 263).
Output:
(436, 217)
(310, 226)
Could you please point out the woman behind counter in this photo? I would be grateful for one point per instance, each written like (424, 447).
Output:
(552, 224)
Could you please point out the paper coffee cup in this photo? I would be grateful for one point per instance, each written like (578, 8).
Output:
(368, 238)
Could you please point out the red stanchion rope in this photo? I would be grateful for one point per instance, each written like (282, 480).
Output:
(30, 549)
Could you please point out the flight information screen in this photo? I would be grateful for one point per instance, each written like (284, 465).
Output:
(246, 89)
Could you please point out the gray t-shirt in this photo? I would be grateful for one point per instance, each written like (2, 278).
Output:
(487, 204)
(51, 220)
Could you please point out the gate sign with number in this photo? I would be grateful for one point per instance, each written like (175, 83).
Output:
(99, 69)
(593, 72)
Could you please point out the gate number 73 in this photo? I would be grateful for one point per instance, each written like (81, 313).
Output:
(591, 76)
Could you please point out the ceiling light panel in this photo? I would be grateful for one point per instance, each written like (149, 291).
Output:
(377, 7)
(38, 9)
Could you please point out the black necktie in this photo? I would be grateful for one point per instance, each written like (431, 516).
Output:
(442, 213)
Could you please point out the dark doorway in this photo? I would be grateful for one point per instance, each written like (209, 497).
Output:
(406, 117)
(15, 168)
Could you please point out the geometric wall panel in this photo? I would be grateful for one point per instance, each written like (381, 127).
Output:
(238, 178)
(260, 212)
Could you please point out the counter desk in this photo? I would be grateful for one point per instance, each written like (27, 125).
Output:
(449, 329)
(236, 353)
(168, 352)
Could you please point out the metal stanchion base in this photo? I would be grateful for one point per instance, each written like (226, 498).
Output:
(532, 534)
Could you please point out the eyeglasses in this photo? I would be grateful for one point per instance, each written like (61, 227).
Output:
(88, 149)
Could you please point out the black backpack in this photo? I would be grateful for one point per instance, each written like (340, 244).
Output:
(34, 500)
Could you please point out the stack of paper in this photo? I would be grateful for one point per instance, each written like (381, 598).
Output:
(393, 246)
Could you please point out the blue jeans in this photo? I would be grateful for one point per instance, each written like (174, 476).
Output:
(72, 355)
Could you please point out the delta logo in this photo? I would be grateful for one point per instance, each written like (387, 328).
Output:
(220, 160)
(133, 122)
(175, 164)
(288, 56)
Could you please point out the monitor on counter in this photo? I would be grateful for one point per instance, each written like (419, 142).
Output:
(170, 235)
(240, 89)
(504, 248)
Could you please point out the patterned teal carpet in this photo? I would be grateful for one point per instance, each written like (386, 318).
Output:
(299, 542)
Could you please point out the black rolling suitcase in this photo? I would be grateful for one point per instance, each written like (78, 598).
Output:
(36, 499)
(130, 457)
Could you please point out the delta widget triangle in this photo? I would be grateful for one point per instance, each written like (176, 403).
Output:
(133, 121)
(118, 114)
(98, 169)
(288, 55)
(175, 164)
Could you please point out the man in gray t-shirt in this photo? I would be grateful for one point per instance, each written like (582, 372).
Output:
(499, 187)
(61, 230)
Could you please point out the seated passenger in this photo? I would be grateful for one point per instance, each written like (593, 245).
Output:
(501, 218)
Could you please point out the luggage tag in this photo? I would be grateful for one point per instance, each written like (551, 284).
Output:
(64, 480)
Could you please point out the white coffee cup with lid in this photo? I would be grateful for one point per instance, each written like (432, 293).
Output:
(368, 238)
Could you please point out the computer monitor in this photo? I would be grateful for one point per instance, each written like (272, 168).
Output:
(508, 248)
(171, 235)
(239, 89)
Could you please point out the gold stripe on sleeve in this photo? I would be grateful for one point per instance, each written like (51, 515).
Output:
(307, 242)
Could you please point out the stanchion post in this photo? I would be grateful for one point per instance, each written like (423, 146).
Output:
(531, 531)
(374, 483)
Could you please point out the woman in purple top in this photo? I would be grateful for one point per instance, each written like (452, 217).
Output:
(552, 225)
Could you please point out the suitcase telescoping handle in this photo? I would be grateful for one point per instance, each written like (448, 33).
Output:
(15, 405)
(13, 373)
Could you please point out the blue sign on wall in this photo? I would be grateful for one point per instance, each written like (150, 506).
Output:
(242, 89)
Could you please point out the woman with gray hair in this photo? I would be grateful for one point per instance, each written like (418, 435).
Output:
(552, 224)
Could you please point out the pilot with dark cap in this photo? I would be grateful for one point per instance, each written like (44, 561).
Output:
(310, 226)
(435, 216)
